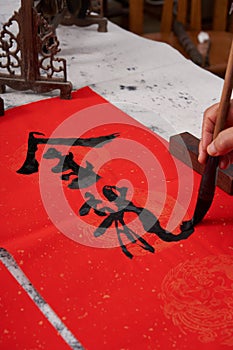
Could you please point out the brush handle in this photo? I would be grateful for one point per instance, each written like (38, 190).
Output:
(225, 97)
(208, 181)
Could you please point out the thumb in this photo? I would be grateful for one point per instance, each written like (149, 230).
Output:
(222, 144)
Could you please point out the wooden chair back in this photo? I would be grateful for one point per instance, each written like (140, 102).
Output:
(194, 7)
(213, 57)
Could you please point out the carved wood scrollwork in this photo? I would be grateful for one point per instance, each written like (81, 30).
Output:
(9, 46)
(28, 49)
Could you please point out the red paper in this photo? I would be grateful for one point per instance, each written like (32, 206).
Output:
(178, 296)
(22, 324)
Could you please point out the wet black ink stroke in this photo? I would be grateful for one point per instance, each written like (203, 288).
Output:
(83, 176)
(148, 220)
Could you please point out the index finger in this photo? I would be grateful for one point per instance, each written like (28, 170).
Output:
(208, 124)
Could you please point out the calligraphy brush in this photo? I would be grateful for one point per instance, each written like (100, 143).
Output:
(208, 181)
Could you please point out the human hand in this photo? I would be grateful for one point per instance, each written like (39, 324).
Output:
(222, 145)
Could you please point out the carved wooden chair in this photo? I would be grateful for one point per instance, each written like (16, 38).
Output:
(181, 24)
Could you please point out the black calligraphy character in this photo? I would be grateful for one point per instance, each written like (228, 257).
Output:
(149, 221)
(31, 165)
(84, 177)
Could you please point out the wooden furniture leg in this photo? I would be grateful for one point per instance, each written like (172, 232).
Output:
(68, 20)
(136, 17)
(85, 18)
(1, 107)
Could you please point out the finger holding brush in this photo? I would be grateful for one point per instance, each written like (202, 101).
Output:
(223, 144)
(212, 128)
